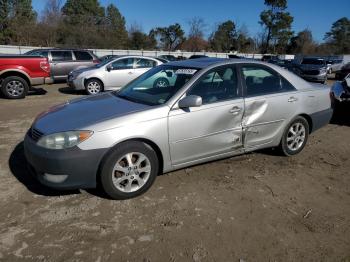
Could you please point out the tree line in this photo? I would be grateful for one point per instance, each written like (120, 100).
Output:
(88, 24)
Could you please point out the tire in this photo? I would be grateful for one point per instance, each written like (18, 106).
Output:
(293, 144)
(161, 82)
(14, 87)
(93, 86)
(122, 180)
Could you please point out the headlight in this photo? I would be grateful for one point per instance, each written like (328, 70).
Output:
(64, 140)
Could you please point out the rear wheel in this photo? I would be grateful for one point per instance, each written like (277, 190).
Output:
(129, 170)
(14, 87)
(93, 86)
(295, 137)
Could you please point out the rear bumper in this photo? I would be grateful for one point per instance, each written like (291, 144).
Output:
(321, 118)
(63, 169)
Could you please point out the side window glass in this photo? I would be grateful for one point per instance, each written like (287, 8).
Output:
(82, 56)
(260, 81)
(126, 63)
(145, 63)
(61, 56)
(217, 85)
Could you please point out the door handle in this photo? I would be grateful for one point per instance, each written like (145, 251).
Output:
(235, 110)
(292, 99)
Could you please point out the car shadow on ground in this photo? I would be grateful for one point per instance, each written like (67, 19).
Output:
(69, 91)
(341, 114)
(36, 91)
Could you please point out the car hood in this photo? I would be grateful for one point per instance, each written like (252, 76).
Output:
(84, 69)
(79, 113)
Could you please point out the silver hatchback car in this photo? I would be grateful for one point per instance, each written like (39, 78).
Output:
(111, 74)
(211, 109)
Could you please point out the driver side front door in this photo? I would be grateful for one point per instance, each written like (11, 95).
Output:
(121, 73)
(215, 127)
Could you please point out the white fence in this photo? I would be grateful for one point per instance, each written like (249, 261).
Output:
(8, 49)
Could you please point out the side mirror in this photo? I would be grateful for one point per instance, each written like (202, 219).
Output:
(190, 101)
(109, 68)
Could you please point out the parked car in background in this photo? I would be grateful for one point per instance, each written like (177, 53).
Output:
(213, 109)
(163, 60)
(266, 58)
(341, 90)
(338, 63)
(197, 56)
(312, 69)
(282, 63)
(168, 57)
(111, 74)
(19, 73)
(235, 56)
(63, 61)
(343, 72)
(107, 57)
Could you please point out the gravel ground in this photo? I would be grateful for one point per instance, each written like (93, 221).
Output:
(255, 207)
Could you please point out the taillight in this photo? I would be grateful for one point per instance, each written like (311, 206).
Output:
(96, 61)
(44, 65)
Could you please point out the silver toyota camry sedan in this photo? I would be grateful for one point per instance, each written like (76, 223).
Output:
(208, 109)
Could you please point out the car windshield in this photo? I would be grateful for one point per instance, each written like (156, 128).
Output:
(313, 61)
(158, 85)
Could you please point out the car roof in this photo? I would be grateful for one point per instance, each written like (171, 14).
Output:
(199, 62)
(213, 61)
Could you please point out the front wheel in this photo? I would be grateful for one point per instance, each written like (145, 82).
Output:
(295, 137)
(93, 86)
(129, 170)
(161, 82)
(14, 87)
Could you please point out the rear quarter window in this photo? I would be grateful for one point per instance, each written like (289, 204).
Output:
(83, 56)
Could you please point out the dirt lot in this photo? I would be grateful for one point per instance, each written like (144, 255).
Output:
(256, 207)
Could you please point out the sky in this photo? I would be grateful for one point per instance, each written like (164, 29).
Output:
(315, 15)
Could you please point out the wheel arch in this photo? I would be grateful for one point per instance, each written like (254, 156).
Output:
(309, 121)
(15, 73)
(148, 142)
(96, 78)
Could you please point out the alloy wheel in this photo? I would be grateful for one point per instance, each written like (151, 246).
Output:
(131, 172)
(94, 87)
(15, 88)
(296, 136)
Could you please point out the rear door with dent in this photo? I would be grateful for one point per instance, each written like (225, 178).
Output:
(270, 103)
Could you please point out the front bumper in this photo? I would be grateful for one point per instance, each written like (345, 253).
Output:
(340, 93)
(63, 169)
(318, 78)
(76, 84)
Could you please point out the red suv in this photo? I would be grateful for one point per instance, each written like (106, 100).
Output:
(19, 73)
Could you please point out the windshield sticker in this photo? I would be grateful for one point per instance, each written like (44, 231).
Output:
(185, 71)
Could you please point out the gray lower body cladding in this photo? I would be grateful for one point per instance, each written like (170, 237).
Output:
(321, 118)
(79, 167)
